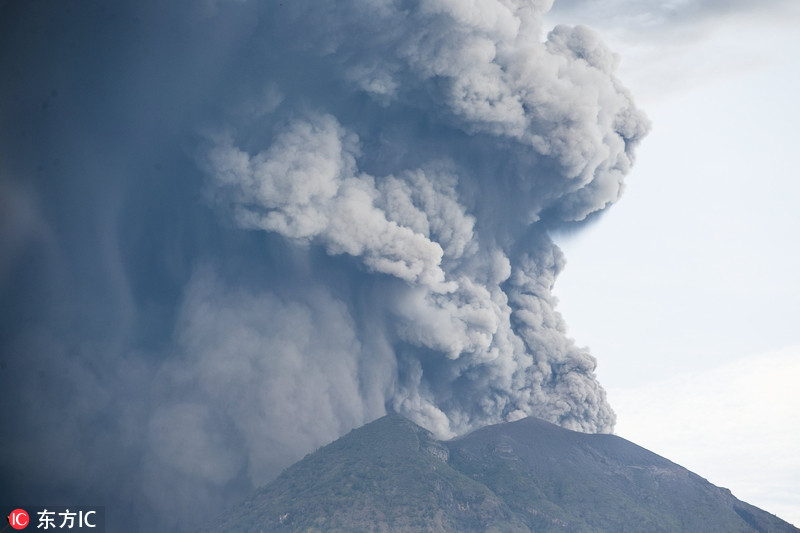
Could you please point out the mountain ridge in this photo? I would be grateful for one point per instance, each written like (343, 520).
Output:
(523, 476)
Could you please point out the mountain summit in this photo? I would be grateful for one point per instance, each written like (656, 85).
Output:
(392, 475)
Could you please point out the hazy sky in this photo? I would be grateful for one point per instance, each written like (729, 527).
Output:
(687, 291)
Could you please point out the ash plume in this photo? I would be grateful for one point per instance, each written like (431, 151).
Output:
(239, 229)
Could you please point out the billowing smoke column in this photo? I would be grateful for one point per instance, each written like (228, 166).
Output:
(251, 226)
(473, 137)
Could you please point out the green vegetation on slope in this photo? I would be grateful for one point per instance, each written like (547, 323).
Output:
(392, 476)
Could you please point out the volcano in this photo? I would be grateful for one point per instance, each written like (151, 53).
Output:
(523, 476)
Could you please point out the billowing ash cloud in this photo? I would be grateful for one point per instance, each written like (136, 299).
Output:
(236, 230)
(473, 137)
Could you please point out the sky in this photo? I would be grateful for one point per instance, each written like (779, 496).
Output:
(700, 258)
(231, 231)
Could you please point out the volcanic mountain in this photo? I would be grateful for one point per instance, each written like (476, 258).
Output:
(525, 476)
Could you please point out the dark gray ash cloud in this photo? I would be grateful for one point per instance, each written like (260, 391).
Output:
(232, 231)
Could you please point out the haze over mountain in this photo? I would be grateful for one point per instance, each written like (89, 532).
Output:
(523, 476)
